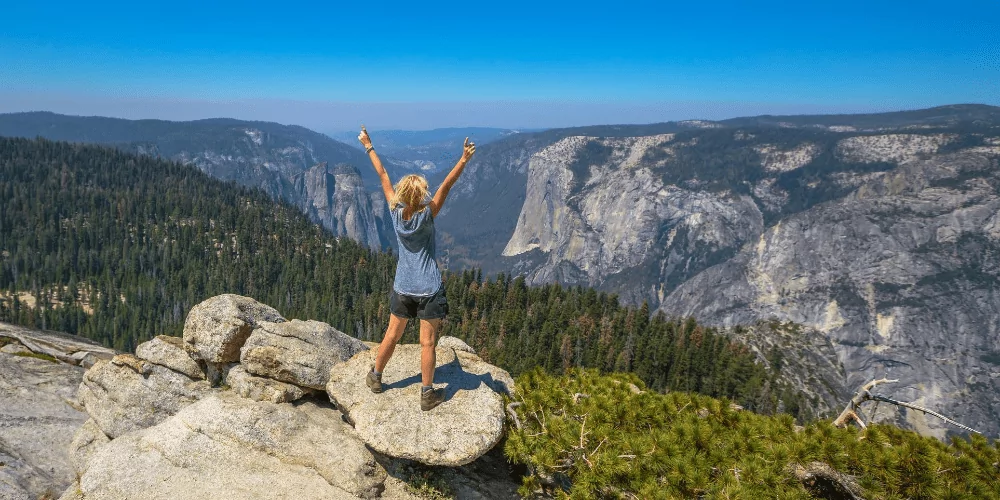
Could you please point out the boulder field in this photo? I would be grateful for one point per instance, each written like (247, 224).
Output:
(236, 409)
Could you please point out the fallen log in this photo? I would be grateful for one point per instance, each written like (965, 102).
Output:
(823, 481)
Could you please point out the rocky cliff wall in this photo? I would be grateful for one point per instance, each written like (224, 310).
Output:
(611, 219)
(337, 199)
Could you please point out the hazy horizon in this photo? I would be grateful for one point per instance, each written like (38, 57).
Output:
(407, 116)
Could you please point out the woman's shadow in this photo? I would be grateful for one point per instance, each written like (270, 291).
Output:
(454, 378)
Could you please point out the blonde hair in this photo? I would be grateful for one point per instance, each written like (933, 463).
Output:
(411, 191)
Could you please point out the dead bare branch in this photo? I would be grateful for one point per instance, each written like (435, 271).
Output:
(598, 446)
(861, 396)
(513, 414)
(864, 394)
(912, 406)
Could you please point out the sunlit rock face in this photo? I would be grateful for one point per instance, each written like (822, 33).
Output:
(267, 428)
(599, 214)
(336, 198)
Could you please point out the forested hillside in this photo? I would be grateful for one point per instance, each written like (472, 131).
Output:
(556, 328)
(289, 148)
(118, 247)
(287, 162)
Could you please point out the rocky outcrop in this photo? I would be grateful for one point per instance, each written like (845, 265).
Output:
(226, 446)
(448, 342)
(262, 388)
(39, 411)
(173, 353)
(775, 159)
(337, 198)
(88, 439)
(606, 218)
(131, 394)
(464, 427)
(297, 352)
(218, 327)
(66, 348)
(896, 148)
(260, 434)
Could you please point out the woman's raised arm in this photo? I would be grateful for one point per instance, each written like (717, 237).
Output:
(468, 150)
(373, 156)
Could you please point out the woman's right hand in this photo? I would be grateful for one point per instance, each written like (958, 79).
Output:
(468, 149)
(365, 140)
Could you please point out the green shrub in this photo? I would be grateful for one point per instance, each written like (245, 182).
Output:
(586, 435)
(424, 482)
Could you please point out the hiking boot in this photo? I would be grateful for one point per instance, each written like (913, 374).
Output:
(374, 382)
(430, 399)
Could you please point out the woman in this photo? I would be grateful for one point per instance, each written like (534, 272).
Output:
(418, 290)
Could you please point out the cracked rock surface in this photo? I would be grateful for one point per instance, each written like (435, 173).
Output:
(464, 427)
(38, 416)
(219, 326)
(297, 352)
(152, 426)
(121, 399)
(225, 446)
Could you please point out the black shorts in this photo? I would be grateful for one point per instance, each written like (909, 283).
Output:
(409, 307)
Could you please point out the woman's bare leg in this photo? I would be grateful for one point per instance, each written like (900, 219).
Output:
(428, 339)
(392, 335)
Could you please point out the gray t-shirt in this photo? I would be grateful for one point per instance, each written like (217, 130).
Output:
(417, 273)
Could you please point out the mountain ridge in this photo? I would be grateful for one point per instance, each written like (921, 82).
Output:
(425, 151)
(265, 155)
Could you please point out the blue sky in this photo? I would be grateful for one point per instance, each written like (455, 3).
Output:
(511, 64)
